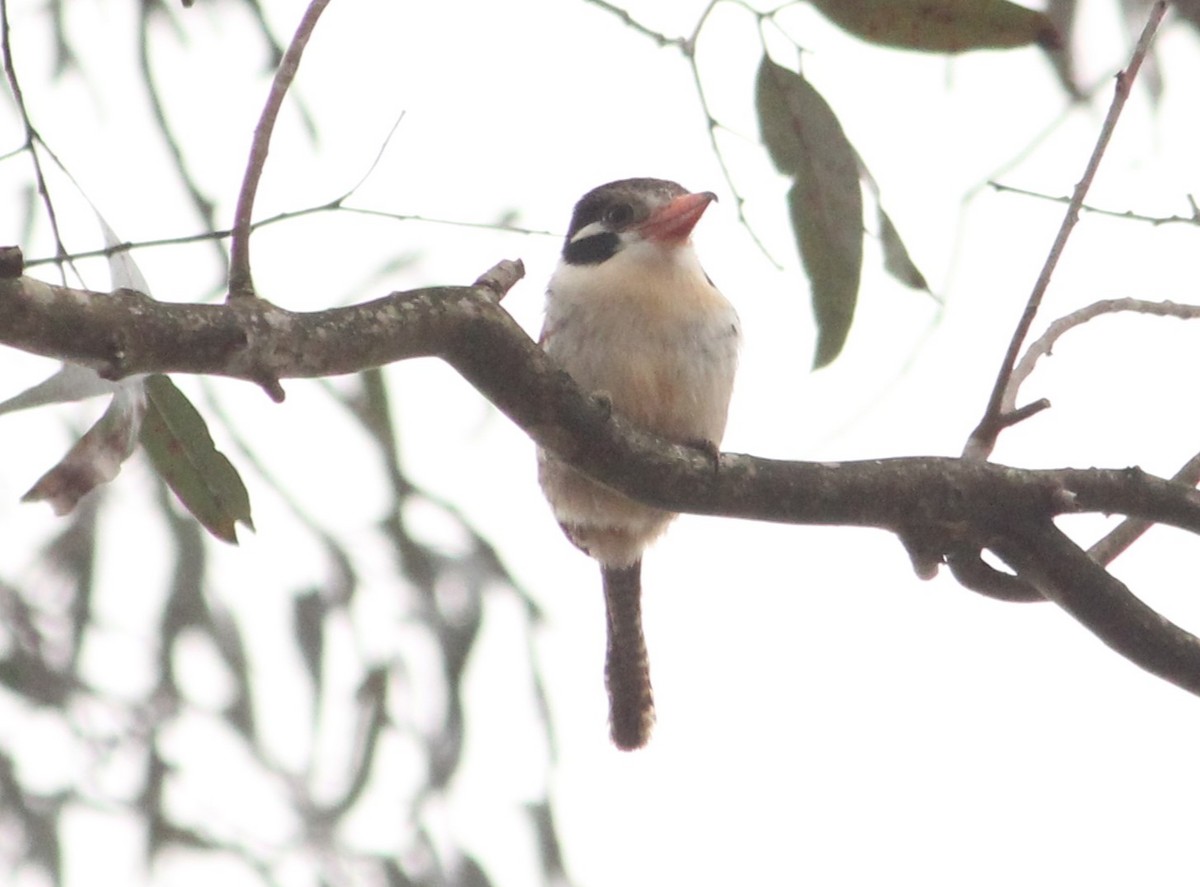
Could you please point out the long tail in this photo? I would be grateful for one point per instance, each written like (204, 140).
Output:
(627, 668)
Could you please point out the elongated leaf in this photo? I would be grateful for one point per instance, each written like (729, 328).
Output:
(942, 25)
(806, 141)
(122, 269)
(177, 440)
(896, 260)
(1063, 14)
(96, 457)
(72, 382)
(176, 437)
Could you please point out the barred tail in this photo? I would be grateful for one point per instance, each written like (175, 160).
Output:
(627, 668)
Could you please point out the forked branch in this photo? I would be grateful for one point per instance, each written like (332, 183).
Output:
(942, 508)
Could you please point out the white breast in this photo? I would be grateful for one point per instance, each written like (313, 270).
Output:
(647, 329)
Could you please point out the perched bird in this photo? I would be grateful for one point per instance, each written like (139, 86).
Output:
(632, 316)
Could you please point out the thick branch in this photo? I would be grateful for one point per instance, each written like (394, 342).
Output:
(1046, 558)
(941, 508)
(125, 332)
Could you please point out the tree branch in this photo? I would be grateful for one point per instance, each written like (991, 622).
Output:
(240, 282)
(983, 439)
(1044, 556)
(1056, 330)
(942, 508)
(125, 332)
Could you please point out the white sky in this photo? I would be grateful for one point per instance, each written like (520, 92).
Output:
(823, 716)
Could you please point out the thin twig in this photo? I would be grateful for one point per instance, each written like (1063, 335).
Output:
(1130, 215)
(983, 439)
(336, 204)
(31, 140)
(240, 281)
(630, 22)
(1046, 342)
(1028, 150)
(687, 46)
(203, 203)
(1131, 529)
(1128, 531)
(330, 206)
(711, 126)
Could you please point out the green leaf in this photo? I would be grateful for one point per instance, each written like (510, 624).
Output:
(896, 260)
(942, 25)
(806, 141)
(177, 440)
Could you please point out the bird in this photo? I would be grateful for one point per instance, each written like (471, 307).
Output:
(633, 318)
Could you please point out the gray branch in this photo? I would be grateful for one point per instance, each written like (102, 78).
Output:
(940, 508)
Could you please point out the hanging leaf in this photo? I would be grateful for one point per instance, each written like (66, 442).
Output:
(942, 25)
(176, 436)
(806, 141)
(1063, 14)
(96, 457)
(177, 440)
(72, 382)
(896, 260)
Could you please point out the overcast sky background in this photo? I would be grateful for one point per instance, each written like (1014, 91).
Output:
(824, 717)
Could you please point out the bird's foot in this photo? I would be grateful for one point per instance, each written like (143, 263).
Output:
(709, 450)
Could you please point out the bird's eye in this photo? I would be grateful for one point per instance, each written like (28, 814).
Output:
(618, 215)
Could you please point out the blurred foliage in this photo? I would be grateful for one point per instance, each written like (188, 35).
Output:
(47, 620)
(941, 25)
(806, 142)
(119, 750)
